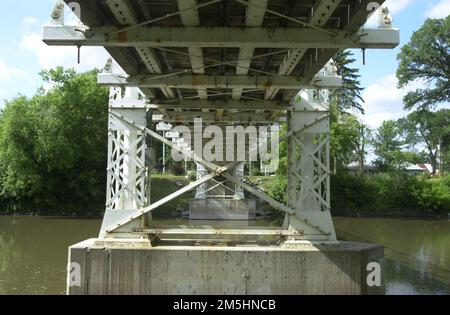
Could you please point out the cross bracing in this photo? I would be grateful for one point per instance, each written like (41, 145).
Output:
(226, 62)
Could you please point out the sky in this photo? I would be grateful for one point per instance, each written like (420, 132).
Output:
(23, 54)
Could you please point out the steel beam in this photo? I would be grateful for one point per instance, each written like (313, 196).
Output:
(254, 18)
(319, 17)
(191, 18)
(192, 36)
(358, 15)
(228, 117)
(240, 235)
(219, 104)
(125, 15)
(188, 81)
(217, 232)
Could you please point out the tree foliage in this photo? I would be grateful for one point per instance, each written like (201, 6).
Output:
(415, 138)
(54, 145)
(348, 97)
(394, 193)
(388, 144)
(349, 139)
(430, 129)
(426, 59)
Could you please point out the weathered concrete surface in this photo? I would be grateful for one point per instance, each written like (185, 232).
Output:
(222, 209)
(137, 268)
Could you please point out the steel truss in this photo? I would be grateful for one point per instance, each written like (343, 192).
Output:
(309, 165)
(307, 213)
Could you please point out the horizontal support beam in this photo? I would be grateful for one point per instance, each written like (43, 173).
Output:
(192, 233)
(201, 104)
(218, 232)
(192, 81)
(196, 36)
(208, 234)
(220, 104)
(227, 117)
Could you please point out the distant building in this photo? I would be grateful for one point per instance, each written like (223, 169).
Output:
(416, 169)
(428, 168)
(370, 169)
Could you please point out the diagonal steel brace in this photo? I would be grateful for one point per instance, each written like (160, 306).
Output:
(216, 171)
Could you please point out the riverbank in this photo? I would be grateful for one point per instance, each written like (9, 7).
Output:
(390, 195)
(395, 194)
(381, 196)
(161, 186)
(390, 215)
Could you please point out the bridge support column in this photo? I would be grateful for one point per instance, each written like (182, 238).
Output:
(128, 182)
(309, 167)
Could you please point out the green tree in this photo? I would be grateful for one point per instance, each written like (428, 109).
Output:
(348, 135)
(364, 140)
(414, 156)
(427, 58)
(430, 129)
(348, 97)
(388, 143)
(445, 157)
(345, 127)
(54, 144)
(349, 139)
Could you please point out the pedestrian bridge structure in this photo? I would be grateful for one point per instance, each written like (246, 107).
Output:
(228, 63)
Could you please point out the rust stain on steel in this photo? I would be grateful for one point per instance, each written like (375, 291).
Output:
(267, 84)
(194, 80)
(178, 118)
(122, 37)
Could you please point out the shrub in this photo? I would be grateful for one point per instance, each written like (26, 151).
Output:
(277, 189)
(387, 194)
(395, 193)
(351, 194)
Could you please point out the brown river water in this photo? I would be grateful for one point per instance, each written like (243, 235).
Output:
(33, 251)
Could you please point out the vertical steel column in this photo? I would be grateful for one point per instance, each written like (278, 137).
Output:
(128, 174)
(308, 168)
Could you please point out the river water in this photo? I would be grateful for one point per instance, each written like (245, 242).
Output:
(33, 252)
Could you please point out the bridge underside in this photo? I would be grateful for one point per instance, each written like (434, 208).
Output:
(254, 63)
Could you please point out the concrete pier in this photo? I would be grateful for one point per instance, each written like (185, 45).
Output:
(222, 209)
(135, 267)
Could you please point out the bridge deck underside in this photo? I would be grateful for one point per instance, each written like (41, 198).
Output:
(345, 15)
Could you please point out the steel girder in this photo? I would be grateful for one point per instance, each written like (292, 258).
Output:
(224, 37)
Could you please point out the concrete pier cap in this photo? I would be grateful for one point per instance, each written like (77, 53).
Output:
(122, 267)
